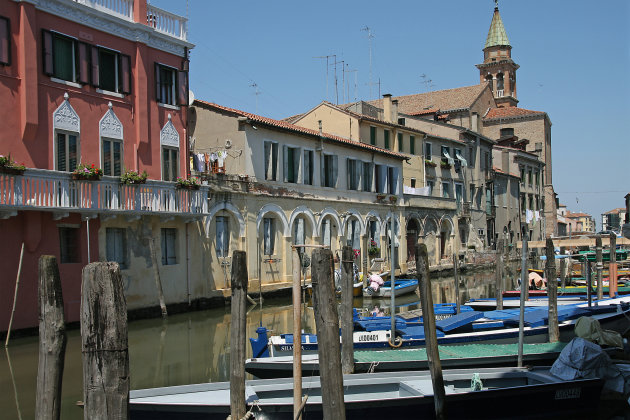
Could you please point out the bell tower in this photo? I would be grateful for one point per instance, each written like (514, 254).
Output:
(498, 68)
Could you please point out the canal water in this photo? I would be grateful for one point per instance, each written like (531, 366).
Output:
(186, 348)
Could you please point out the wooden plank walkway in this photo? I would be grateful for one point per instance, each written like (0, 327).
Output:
(574, 242)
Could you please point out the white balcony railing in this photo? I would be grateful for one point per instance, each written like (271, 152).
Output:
(57, 191)
(120, 8)
(500, 93)
(166, 22)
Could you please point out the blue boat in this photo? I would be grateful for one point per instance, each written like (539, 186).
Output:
(401, 287)
(469, 326)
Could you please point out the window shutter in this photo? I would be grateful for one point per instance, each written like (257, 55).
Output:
(335, 177)
(47, 50)
(125, 64)
(182, 88)
(158, 97)
(84, 63)
(285, 163)
(267, 152)
(95, 68)
(5, 41)
(322, 174)
(358, 169)
(348, 174)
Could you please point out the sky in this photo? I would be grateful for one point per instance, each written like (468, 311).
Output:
(574, 55)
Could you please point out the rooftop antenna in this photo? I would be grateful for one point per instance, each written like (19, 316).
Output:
(355, 71)
(343, 78)
(256, 92)
(327, 65)
(370, 37)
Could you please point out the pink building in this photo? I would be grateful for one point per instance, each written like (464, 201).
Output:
(89, 82)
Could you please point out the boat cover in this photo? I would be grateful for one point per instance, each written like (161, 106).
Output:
(456, 321)
(583, 359)
(592, 330)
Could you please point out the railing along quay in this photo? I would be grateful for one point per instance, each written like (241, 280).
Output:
(39, 189)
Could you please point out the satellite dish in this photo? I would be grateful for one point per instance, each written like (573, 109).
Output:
(228, 143)
(191, 97)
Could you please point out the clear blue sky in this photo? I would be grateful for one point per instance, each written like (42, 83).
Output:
(574, 57)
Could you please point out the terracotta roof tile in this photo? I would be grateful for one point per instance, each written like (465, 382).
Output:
(510, 112)
(445, 100)
(297, 129)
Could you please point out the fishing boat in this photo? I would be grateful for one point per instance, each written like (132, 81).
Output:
(492, 327)
(401, 287)
(451, 357)
(480, 393)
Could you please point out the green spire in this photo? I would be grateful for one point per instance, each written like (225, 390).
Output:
(497, 35)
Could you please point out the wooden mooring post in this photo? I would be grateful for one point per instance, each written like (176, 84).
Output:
(524, 289)
(327, 324)
(347, 327)
(599, 267)
(499, 275)
(612, 267)
(563, 276)
(52, 341)
(238, 332)
(158, 280)
(297, 332)
(433, 355)
(456, 279)
(104, 343)
(552, 292)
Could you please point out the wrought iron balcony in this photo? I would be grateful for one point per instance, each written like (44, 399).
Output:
(39, 189)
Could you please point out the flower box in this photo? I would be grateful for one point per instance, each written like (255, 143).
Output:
(430, 163)
(445, 165)
(133, 177)
(10, 170)
(380, 196)
(188, 183)
(188, 187)
(393, 198)
(87, 173)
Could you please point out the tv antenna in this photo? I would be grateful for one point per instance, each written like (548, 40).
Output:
(327, 57)
(370, 37)
(256, 92)
(343, 78)
(355, 71)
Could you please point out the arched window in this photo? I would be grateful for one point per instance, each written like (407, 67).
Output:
(490, 82)
(500, 84)
(66, 136)
(169, 139)
(111, 134)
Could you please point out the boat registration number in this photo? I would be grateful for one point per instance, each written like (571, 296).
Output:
(568, 394)
(289, 348)
(367, 337)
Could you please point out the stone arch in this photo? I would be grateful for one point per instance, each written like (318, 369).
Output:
(353, 214)
(430, 225)
(169, 135)
(230, 208)
(275, 209)
(449, 222)
(328, 212)
(65, 117)
(372, 214)
(308, 214)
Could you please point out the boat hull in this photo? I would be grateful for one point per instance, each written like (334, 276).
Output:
(402, 287)
(508, 393)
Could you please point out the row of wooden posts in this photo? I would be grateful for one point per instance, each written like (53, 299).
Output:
(105, 346)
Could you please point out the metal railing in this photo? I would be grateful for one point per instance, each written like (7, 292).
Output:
(166, 22)
(57, 191)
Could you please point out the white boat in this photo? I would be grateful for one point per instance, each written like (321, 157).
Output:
(491, 303)
(503, 393)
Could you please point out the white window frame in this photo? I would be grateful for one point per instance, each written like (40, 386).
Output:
(297, 162)
(308, 174)
(122, 154)
(448, 189)
(429, 145)
(56, 146)
(367, 176)
(116, 246)
(269, 236)
(223, 236)
(333, 168)
(168, 245)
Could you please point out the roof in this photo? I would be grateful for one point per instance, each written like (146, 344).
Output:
(501, 171)
(297, 129)
(497, 35)
(575, 215)
(511, 112)
(443, 100)
(616, 211)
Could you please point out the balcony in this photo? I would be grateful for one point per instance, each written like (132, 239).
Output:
(57, 192)
(162, 21)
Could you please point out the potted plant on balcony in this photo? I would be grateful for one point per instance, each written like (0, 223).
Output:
(191, 183)
(430, 163)
(393, 199)
(87, 173)
(133, 177)
(8, 166)
(380, 196)
(445, 165)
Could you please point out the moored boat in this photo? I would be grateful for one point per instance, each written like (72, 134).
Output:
(401, 287)
(387, 394)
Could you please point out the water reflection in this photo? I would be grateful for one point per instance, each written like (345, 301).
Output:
(185, 348)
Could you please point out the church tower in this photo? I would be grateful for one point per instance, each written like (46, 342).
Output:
(498, 68)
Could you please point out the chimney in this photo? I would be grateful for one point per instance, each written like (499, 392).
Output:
(395, 111)
(387, 107)
(319, 122)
